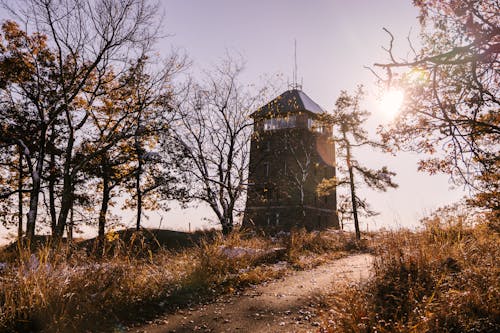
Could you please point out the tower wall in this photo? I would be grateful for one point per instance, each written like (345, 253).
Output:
(286, 165)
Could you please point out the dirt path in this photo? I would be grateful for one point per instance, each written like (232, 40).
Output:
(285, 305)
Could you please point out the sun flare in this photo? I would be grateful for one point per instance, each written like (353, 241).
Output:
(391, 101)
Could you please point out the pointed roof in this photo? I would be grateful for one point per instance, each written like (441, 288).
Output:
(288, 102)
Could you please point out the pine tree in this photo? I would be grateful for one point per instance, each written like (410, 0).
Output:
(348, 120)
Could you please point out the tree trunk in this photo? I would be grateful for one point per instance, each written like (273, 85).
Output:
(52, 199)
(354, 204)
(33, 210)
(302, 204)
(353, 188)
(36, 173)
(67, 192)
(20, 195)
(66, 205)
(138, 175)
(103, 211)
(227, 227)
(70, 226)
(52, 182)
(105, 201)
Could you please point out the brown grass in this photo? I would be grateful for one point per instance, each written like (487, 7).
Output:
(308, 249)
(66, 290)
(443, 279)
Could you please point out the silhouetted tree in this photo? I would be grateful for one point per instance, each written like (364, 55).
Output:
(61, 82)
(452, 94)
(347, 120)
(214, 130)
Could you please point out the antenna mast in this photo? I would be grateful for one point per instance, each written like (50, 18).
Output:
(295, 84)
(295, 63)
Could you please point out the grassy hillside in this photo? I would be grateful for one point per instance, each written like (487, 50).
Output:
(445, 278)
(71, 289)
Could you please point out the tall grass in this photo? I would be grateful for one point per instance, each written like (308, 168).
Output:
(68, 290)
(46, 291)
(306, 249)
(443, 279)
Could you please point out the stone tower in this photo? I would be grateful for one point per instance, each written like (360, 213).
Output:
(290, 153)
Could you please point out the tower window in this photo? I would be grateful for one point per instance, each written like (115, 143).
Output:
(266, 169)
(269, 193)
(267, 146)
(279, 122)
(315, 126)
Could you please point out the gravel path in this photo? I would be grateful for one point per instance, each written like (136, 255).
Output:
(287, 305)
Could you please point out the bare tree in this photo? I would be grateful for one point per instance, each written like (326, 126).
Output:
(214, 130)
(296, 151)
(60, 76)
(302, 167)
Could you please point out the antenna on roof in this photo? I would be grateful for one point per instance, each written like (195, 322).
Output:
(295, 62)
(295, 84)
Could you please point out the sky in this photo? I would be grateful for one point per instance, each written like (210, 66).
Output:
(335, 40)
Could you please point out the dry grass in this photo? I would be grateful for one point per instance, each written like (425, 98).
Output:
(68, 290)
(46, 291)
(309, 249)
(443, 279)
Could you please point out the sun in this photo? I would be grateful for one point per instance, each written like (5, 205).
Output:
(391, 101)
